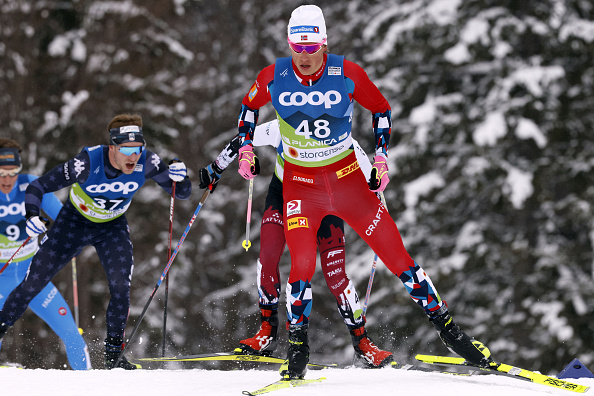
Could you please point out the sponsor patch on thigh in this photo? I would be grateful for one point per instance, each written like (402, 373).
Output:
(297, 222)
(303, 178)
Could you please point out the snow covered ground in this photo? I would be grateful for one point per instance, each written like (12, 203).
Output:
(339, 382)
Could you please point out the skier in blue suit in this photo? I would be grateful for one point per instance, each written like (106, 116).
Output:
(49, 304)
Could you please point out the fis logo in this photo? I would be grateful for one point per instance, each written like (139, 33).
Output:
(297, 222)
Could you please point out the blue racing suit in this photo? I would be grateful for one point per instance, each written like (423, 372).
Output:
(95, 215)
(48, 304)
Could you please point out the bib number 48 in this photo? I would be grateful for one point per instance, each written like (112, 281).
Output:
(321, 129)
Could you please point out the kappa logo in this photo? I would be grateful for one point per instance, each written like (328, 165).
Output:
(155, 160)
(297, 222)
(79, 166)
(348, 170)
(293, 207)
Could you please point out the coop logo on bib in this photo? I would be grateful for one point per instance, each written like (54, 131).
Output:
(124, 188)
(314, 98)
(14, 209)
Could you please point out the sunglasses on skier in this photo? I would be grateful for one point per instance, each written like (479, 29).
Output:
(130, 150)
(10, 172)
(309, 48)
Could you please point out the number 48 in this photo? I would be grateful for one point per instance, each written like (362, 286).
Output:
(321, 130)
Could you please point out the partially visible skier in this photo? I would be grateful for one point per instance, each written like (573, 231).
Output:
(48, 304)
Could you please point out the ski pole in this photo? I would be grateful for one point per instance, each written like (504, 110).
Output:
(169, 262)
(14, 254)
(167, 277)
(247, 243)
(75, 296)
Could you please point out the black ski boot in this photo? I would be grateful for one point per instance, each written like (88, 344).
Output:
(295, 366)
(475, 352)
(113, 350)
(3, 329)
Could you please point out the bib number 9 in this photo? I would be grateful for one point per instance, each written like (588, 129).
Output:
(13, 232)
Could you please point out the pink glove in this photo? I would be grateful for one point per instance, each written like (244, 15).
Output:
(379, 174)
(249, 166)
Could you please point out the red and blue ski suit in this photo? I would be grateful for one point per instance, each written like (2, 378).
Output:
(321, 174)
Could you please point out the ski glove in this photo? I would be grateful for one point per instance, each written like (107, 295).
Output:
(177, 170)
(36, 225)
(379, 174)
(209, 176)
(249, 165)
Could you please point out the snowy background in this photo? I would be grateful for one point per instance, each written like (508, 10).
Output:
(491, 163)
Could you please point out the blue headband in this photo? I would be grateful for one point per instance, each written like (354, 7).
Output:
(10, 156)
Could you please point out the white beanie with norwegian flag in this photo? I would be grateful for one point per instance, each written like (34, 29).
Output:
(307, 25)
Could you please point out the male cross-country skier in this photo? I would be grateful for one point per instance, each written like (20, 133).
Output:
(104, 179)
(313, 94)
(49, 304)
(331, 244)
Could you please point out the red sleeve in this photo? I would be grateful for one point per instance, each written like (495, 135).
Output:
(259, 95)
(365, 91)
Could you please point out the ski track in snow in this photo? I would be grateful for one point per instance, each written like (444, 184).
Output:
(339, 382)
